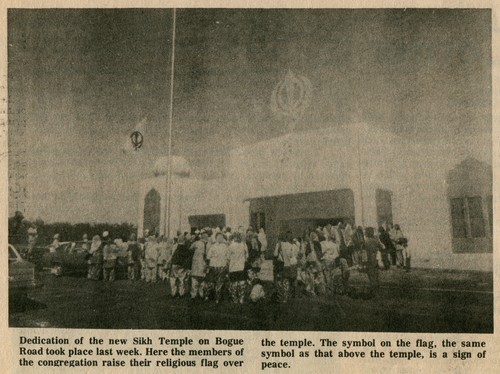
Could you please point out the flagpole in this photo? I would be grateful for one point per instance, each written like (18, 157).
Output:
(360, 176)
(170, 116)
(181, 192)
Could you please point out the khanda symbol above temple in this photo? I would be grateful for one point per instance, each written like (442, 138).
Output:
(289, 100)
(291, 97)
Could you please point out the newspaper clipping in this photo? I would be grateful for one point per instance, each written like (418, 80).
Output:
(249, 187)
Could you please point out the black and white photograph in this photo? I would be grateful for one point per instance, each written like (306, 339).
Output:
(261, 169)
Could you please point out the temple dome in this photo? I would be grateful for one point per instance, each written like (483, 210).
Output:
(180, 166)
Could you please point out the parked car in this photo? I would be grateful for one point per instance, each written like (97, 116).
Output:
(72, 258)
(34, 256)
(21, 274)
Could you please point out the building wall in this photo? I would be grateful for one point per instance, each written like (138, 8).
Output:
(189, 196)
(328, 160)
(422, 203)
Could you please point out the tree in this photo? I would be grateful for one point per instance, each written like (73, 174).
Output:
(17, 228)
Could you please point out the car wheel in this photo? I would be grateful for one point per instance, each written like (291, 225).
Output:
(57, 270)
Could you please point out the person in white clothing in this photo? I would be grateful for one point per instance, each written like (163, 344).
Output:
(286, 253)
(55, 244)
(237, 254)
(263, 242)
(199, 266)
(151, 259)
(217, 256)
(403, 251)
(330, 251)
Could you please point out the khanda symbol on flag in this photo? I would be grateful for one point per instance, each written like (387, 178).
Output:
(135, 139)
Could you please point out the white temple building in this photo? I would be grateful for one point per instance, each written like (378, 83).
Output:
(440, 193)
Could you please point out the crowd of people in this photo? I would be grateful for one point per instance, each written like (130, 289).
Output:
(205, 263)
(198, 263)
(321, 260)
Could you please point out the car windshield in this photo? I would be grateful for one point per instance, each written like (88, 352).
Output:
(12, 254)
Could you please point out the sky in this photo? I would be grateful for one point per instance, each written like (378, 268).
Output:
(80, 80)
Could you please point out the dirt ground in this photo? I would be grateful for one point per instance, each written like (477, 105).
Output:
(419, 301)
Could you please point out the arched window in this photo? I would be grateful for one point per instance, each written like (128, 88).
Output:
(383, 200)
(152, 211)
(471, 210)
